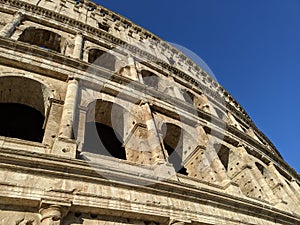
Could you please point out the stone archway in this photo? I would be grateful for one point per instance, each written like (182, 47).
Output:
(101, 136)
(23, 106)
(42, 38)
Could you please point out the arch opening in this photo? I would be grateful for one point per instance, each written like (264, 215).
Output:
(150, 79)
(43, 38)
(102, 59)
(24, 103)
(173, 143)
(260, 167)
(220, 114)
(188, 97)
(223, 154)
(101, 137)
(21, 121)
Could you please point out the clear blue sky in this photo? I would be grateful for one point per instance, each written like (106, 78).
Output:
(252, 47)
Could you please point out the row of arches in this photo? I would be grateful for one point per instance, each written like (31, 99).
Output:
(106, 130)
(24, 108)
(23, 114)
(50, 40)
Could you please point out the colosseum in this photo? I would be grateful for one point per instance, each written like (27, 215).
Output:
(102, 122)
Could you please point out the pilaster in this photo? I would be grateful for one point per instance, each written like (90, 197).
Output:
(65, 145)
(10, 27)
(78, 46)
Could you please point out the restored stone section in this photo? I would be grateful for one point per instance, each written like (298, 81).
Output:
(129, 70)
(202, 103)
(259, 172)
(206, 165)
(233, 122)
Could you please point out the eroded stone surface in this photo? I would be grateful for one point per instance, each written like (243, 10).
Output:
(134, 131)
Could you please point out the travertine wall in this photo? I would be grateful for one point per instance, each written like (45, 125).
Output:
(134, 132)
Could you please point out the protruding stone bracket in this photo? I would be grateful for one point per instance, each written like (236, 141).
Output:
(64, 147)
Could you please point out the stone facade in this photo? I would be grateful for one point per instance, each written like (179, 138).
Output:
(103, 122)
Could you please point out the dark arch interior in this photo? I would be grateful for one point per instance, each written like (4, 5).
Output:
(223, 154)
(172, 142)
(42, 38)
(283, 173)
(150, 79)
(102, 58)
(219, 113)
(102, 139)
(260, 168)
(21, 121)
(188, 96)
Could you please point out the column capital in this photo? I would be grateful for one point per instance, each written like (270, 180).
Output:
(53, 211)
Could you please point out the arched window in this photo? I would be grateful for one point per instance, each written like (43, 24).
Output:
(260, 167)
(223, 154)
(219, 113)
(188, 96)
(102, 58)
(173, 142)
(23, 103)
(104, 129)
(150, 79)
(42, 38)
